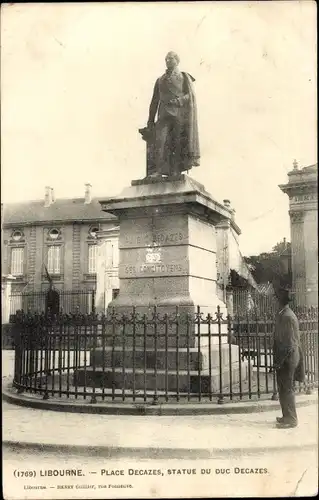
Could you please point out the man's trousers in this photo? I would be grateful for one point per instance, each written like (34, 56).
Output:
(285, 382)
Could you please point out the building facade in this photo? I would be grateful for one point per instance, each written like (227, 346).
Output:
(302, 189)
(57, 235)
(77, 243)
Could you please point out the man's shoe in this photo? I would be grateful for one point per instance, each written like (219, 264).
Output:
(286, 425)
(280, 420)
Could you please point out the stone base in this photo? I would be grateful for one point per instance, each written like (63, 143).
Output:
(172, 359)
(185, 370)
(185, 382)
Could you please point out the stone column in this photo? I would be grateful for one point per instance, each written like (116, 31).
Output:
(302, 189)
(298, 255)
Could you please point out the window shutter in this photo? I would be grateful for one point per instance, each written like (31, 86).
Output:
(92, 258)
(50, 259)
(17, 260)
(54, 259)
(57, 260)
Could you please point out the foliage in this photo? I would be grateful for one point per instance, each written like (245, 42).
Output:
(274, 265)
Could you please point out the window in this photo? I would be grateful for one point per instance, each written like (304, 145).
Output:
(92, 258)
(17, 258)
(54, 258)
(16, 235)
(93, 231)
(54, 234)
(90, 302)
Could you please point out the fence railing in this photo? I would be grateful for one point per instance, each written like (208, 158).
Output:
(150, 357)
(82, 301)
(254, 302)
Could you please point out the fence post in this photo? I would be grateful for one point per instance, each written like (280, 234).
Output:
(219, 315)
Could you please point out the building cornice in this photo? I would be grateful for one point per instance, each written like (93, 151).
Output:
(293, 188)
(57, 222)
(108, 232)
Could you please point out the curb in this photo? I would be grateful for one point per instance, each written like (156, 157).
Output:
(156, 410)
(151, 452)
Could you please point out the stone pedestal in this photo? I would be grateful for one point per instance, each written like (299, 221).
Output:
(167, 259)
(167, 243)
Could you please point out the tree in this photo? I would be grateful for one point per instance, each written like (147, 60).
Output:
(273, 265)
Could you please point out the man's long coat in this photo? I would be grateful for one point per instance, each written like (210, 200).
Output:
(287, 341)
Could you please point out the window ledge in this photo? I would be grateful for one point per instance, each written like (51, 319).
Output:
(19, 277)
(55, 277)
(90, 276)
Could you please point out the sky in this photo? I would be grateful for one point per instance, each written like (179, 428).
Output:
(77, 80)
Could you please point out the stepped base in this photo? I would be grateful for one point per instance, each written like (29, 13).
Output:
(169, 359)
(182, 370)
(181, 381)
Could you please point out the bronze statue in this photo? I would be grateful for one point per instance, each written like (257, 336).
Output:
(172, 142)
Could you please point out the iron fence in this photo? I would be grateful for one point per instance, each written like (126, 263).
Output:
(150, 357)
(82, 301)
(253, 302)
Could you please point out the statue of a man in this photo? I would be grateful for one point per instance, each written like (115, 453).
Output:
(173, 144)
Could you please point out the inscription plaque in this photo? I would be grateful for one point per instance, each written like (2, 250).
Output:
(303, 197)
(153, 260)
(149, 238)
(155, 269)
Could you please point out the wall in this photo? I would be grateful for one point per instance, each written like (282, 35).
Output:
(311, 256)
(229, 255)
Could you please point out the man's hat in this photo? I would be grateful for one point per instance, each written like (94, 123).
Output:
(282, 286)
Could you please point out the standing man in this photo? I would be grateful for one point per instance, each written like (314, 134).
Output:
(287, 358)
(176, 144)
(52, 299)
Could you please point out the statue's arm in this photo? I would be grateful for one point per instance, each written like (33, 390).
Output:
(154, 104)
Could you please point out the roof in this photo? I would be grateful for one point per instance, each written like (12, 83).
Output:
(301, 180)
(61, 210)
(311, 168)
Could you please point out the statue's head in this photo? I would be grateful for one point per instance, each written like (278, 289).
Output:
(172, 60)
